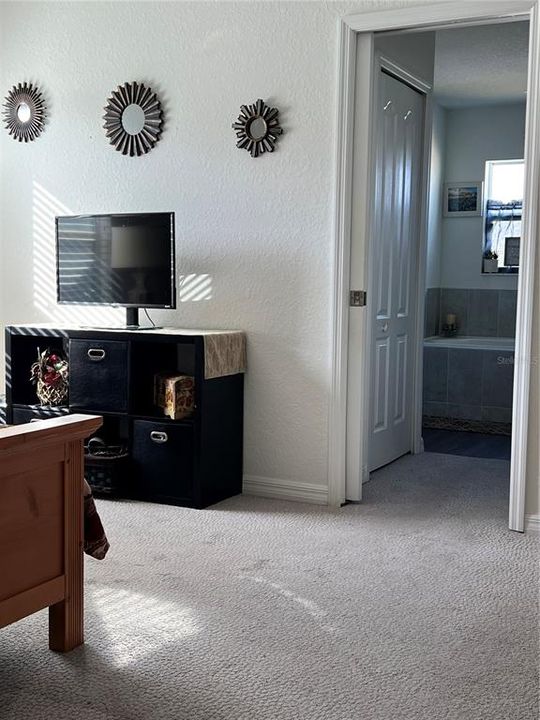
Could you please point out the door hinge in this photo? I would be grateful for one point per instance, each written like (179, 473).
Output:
(357, 298)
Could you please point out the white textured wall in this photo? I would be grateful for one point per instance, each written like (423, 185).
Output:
(474, 135)
(261, 229)
(436, 180)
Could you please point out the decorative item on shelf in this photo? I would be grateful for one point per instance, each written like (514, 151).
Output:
(511, 251)
(24, 112)
(133, 119)
(175, 395)
(449, 329)
(257, 128)
(50, 375)
(463, 199)
(490, 263)
(105, 466)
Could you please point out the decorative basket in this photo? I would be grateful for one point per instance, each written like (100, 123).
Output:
(51, 394)
(105, 467)
(50, 375)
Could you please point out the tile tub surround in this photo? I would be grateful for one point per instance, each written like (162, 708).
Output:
(432, 312)
(480, 312)
(466, 384)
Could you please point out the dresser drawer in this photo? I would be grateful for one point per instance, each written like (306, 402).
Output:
(163, 460)
(98, 375)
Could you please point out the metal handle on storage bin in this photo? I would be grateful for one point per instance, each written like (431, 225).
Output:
(96, 354)
(159, 437)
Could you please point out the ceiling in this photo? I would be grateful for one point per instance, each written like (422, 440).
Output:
(481, 65)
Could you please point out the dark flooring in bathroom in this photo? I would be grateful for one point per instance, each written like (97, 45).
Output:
(469, 444)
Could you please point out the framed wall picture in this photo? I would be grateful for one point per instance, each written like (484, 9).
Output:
(511, 251)
(462, 199)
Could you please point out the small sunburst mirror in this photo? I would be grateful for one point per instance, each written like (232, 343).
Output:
(257, 128)
(24, 112)
(133, 119)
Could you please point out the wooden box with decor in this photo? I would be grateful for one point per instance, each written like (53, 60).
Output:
(175, 394)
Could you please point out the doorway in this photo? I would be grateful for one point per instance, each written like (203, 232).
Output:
(476, 130)
(349, 459)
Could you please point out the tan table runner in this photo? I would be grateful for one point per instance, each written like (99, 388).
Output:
(224, 350)
(224, 354)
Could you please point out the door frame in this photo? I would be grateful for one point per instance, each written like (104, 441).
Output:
(356, 31)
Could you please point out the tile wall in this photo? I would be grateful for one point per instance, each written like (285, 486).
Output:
(478, 312)
(468, 384)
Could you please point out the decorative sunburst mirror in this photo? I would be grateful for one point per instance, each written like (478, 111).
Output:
(257, 128)
(133, 119)
(24, 112)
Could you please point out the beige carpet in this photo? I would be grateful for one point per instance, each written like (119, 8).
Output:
(417, 604)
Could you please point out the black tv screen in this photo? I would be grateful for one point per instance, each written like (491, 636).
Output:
(125, 260)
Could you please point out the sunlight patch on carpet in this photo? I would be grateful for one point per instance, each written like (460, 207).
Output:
(137, 625)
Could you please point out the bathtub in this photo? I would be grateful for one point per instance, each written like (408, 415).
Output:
(503, 344)
(468, 382)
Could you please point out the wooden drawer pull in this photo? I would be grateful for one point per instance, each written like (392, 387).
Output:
(159, 437)
(96, 354)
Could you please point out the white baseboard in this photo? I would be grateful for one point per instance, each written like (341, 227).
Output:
(532, 523)
(285, 489)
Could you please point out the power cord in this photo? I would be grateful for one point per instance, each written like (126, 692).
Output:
(148, 316)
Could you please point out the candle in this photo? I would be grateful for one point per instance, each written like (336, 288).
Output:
(450, 319)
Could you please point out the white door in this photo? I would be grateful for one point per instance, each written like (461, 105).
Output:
(396, 213)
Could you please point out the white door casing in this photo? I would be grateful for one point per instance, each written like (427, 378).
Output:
(399, 117)
(347, 463)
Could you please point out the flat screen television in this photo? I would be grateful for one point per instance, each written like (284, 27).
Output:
(116, 260)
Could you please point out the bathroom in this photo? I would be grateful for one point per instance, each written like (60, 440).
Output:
(474, 228)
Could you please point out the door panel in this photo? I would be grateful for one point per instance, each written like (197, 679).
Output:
(400, 114)
(382, 366)
(401, 379)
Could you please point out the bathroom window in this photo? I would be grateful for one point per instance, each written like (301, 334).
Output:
(503, 206)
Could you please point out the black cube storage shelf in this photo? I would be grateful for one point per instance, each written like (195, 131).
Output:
(193, 462)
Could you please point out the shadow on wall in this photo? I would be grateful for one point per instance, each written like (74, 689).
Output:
(45, 207)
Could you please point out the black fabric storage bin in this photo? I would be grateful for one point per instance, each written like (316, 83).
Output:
(163, 460)
(97, 375)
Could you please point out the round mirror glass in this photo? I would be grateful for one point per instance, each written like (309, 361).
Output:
(23, 112)
(257, 128)
(133, 119)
